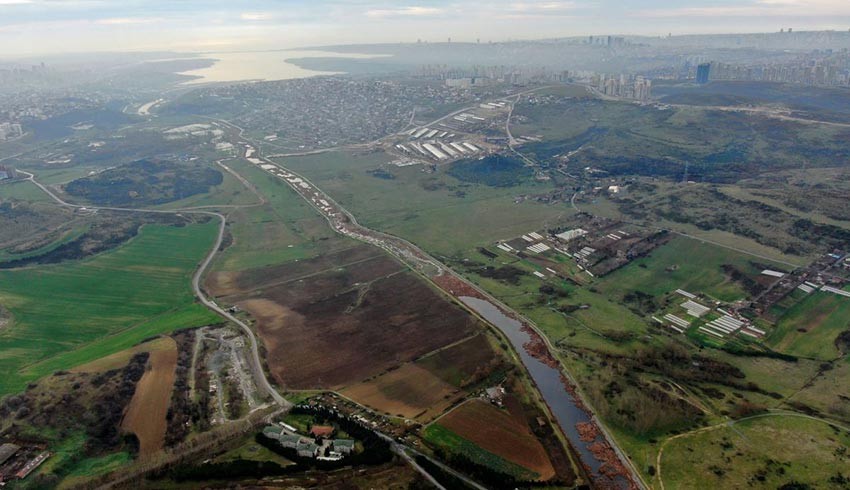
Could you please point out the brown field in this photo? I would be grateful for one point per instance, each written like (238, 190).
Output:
(409, 391)
(148, 408)
(502, 433)
(120, 359)
(464, 363)
(344, 317)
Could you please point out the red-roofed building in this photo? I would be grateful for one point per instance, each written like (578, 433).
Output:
(321, 431)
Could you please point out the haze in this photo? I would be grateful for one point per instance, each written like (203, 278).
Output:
(30, 26)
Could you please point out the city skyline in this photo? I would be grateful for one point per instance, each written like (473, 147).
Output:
(28, 26)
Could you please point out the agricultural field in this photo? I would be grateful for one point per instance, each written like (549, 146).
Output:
(284, 229)
(493, 437)
(687, 264)
(386, 314)
(409, 392)
(70, 314)
(501, 432)
(811, 327)
(146, 414)
(767, 452)
(427, 387)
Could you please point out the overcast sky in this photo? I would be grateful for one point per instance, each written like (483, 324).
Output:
(54, 26)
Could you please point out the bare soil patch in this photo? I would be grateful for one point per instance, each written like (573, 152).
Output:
(409, 391)
(146, 414)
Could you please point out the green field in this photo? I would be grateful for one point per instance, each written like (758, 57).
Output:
(284, 229)
(452, 443)
(22, 190)
(765, 452)
(436, 211)
(684, 263)
(69, 314)
(809, 328)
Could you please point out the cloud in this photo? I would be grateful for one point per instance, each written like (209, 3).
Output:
(111, 21)
(757, 8)
(256, 16)
(413, 11)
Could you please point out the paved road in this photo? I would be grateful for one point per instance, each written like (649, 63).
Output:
(256, 364)
(342, 221)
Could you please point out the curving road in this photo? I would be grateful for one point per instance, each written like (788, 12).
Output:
(256, 363)
(343, 222)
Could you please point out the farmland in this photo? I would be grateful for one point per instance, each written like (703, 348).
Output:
(70, 314)
(497, 431)
(410, 392)
(673, 266)
(425, 388)
(810, 328)
(386, 315)
(146, 413)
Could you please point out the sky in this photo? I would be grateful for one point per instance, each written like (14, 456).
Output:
(63, 26)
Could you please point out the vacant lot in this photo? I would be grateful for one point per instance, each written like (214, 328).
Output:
(810, 327)
(70, 314)
(344, 317)
(496, 431)
(427, 209)
(146, 413)
(409, 391)
(765, 452)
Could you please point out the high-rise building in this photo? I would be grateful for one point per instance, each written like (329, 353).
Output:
(703, 72)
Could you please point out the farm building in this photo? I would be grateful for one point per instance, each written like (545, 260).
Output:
(571, 234)
(343, 446)
(307, 450)
(291, 440)
(7, 451)
(322, 430)
(273, 432)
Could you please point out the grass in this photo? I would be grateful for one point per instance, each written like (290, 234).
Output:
(251, 451)
(283, 230)
(766, 452)
(302, 422)
(67, 236)
(101, 465)
(23, 190)
(809, 328)
(70, 314)
(683, 263)
(427, 209)
(444, 438)
(230, 192)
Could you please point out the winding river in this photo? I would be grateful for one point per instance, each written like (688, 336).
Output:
(564, 407)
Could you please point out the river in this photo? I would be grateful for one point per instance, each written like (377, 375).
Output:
(549, 381)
